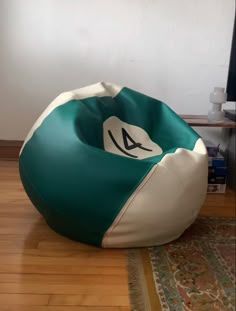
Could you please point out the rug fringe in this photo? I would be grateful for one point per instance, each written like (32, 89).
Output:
(138, 297)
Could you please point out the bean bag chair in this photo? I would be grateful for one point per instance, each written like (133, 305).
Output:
(112, 167)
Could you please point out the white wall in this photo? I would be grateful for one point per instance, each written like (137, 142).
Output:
(173, 50)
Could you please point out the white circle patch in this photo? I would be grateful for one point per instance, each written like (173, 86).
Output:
(128, 140)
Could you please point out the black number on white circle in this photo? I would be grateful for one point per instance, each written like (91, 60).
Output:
(129, 143)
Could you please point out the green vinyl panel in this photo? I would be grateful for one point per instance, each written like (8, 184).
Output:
(78, 188)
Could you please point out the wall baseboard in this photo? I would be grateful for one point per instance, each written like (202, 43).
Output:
(9, 149)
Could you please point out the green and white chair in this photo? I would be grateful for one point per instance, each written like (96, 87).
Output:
(112, 167)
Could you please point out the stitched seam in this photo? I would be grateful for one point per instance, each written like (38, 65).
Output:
(107, 235)
(116, 222)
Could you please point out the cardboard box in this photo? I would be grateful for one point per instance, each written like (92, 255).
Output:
(216, 188)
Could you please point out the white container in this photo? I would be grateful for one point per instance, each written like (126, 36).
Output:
(217, 98)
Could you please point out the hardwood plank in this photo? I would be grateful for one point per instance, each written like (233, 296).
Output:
(24, 299)
(93, 254)
(67, 270)
(89, 300)
(62, 289)
(62, 308)
(219, 205)
(60, 279)
(82, 259)
(63, 300)
(62, 269)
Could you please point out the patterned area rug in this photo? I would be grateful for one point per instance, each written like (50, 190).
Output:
(196, 272)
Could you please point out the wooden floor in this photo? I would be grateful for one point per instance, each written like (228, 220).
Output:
(42, 271)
